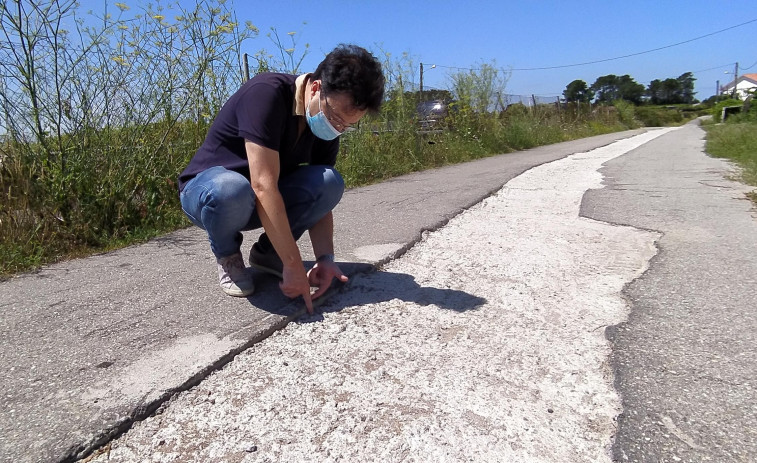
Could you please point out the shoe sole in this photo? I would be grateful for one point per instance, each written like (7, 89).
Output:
(239, 293)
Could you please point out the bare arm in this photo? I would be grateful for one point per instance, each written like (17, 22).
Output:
(264, 178)
(322, 236)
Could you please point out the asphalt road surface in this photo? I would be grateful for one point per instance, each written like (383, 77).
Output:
(486, 341)
(686, 359)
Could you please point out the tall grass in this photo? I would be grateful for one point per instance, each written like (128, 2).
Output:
(374, 152)
(96, 114)
(477, 126)
(96, 122)
(736, 141)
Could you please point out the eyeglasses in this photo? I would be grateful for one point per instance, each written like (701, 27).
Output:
(335, 120)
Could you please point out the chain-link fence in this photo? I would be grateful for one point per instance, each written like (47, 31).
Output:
(528, 100)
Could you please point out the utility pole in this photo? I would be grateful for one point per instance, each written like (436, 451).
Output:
(736, 80)
(420, 94)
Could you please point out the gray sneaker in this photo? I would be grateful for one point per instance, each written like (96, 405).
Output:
(233, 277)
(268, 262)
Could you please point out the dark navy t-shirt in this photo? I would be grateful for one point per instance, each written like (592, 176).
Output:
(262, 112)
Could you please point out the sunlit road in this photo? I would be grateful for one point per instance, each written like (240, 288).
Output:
(485, 343)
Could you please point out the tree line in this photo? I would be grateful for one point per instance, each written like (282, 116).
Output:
(609, 88)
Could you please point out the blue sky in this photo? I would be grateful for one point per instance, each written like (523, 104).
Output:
(520, 34)
(526, 34)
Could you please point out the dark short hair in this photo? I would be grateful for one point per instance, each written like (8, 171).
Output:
(352, 70)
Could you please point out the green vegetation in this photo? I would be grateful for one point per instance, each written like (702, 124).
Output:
(578, 91)
(392, 144)
(717, 110)
(96, 122)
(662, 116)
(736, 139)
(672, 91)
(96, 119)
(612, 88)
(370, 156)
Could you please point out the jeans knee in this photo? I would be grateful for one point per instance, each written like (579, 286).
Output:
(230, 188)
(333, 187)
(232, 198)
(218, 198)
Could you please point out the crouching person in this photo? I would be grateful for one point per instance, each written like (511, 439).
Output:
(268, 161)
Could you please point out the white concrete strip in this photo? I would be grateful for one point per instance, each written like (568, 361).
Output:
(485, 342)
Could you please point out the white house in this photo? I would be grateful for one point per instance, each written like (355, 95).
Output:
(745, 82)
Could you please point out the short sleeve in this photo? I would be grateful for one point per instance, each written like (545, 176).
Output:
(261, 115)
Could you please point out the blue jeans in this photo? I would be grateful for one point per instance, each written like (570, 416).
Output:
(222, 202)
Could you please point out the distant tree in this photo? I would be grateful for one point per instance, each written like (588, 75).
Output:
(672, 91)
(578, 90)
(666, 91)
(654, 91)
(630, 90)
(606, 88)
(686, 81)
(611, 87)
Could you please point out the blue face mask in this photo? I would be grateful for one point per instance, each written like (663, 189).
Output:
(320, 125)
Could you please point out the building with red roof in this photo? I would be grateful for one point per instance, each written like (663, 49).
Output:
(744, 84)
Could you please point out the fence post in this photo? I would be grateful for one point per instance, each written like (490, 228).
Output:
(246, 68)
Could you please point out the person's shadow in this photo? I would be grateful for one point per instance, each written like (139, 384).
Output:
(366, 286)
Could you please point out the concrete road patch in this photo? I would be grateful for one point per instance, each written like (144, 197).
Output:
(485, 341)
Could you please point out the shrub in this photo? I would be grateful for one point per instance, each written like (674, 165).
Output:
(736, 141)
(658, 116)
(717, 110)
(98, 121)
(626, 113)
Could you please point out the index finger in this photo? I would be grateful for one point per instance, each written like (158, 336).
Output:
(308, 301)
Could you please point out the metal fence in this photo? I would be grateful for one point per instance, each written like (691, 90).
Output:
(528, 100)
